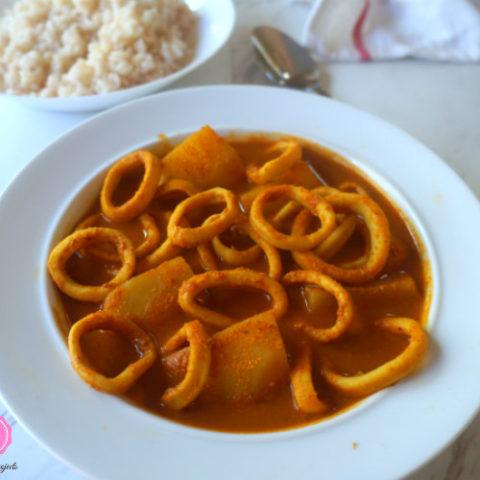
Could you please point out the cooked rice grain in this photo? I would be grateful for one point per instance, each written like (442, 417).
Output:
(65, 48)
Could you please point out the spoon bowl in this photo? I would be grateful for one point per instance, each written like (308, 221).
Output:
(286, 62)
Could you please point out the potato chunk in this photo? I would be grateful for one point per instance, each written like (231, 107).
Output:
(206, 160)
(151, 297)
(248, 360)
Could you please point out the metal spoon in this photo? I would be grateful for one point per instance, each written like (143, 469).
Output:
(286, 62)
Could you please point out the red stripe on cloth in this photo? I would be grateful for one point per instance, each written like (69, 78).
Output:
(357, 35)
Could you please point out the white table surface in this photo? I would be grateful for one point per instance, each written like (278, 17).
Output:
(439, 104)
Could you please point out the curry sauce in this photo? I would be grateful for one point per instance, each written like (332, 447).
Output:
(361, 348)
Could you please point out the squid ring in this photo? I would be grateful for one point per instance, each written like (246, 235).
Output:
(207, 257)
(246, 198)
(353, 187)
(238, 258)
(198, 368)
(363, 258)
(306, 398)
(164, 252)
(168, 250)
(142, 197)
(153, 236)
(289, 152)
(204, 250)
(272, 254)
(239, 277)
(150, 243)
(188, 237)
(338, 238)
(102, 320)
(235, 257)
(298, 242)
(82, 239)
(291, 208)
(379, 232)
(390, 372)
(344, 304)
(175, 185)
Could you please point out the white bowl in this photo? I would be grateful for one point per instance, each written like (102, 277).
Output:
(216, 22)
(396, 431)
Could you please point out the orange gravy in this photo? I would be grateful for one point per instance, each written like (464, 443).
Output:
(362, 348)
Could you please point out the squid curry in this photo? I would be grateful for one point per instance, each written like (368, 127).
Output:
(226, 285)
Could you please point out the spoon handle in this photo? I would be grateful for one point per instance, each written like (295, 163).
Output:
(320, 90)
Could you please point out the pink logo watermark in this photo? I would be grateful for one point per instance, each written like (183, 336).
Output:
(5, 435)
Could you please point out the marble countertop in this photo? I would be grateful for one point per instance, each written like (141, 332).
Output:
(436, 103)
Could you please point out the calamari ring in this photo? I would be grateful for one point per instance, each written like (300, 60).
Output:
(101, 320)
(153, 237)
(247, 198)
(142, 197)
(344, 304)
(238, 258)
(166, 251)
(272, 254)
(188, 237)
(379, 232)
(204, 250)
(363, 258)
(176, 185)
(91, 221)
(338, 238)
(232, 256)
(353, 187)
(291, 208)
(289, 153)
(239, 277)
(198, 367)
(207, 257)
(150, 243)
(299, 242)
(83, 239)
(390, 372)
(306, 398)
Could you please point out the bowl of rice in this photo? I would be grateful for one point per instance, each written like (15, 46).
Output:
(86, 55)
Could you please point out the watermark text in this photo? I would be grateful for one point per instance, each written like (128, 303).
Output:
(8, 466)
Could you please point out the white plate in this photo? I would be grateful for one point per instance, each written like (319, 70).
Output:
(215, 25)
(396, 431)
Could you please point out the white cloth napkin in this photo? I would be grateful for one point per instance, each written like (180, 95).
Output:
(386, 29)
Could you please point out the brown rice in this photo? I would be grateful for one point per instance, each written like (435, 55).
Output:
(64, 48)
